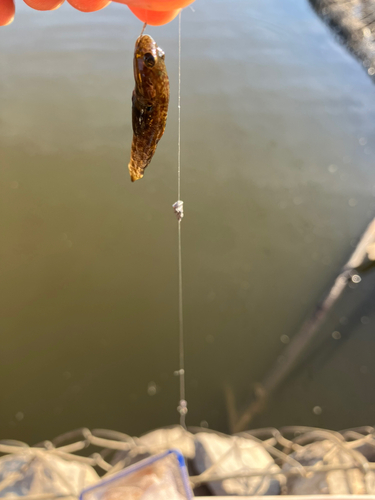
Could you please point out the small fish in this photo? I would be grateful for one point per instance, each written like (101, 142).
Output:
(150, 104)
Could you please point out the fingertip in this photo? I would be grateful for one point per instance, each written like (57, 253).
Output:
(7, 12)
(163, 5)
(89, 5)
(44, 4)
(154, 17)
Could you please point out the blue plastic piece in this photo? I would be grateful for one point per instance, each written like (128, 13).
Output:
(150, 478)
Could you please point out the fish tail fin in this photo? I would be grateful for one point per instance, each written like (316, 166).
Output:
(135, 172)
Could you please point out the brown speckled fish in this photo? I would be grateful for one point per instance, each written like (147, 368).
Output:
(150, 103)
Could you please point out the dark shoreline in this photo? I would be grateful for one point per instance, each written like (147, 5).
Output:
(353, 23)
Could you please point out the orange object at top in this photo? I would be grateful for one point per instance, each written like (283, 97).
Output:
(154, 12)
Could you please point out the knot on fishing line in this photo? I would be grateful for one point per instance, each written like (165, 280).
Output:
(182, 407)
(178, 208)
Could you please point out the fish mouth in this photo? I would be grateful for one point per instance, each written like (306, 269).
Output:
(144, 44)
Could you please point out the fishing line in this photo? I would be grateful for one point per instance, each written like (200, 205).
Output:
(179, 111)
(179, 211)
(143, 29)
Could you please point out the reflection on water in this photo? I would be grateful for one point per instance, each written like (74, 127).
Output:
(277, 182)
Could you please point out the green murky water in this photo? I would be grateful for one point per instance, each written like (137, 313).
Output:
(278, 182)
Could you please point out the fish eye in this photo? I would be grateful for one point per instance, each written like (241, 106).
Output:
(149, 60)
(149, 108)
